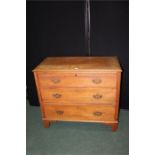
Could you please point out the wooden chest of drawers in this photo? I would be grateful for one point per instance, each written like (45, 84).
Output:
(84, 89)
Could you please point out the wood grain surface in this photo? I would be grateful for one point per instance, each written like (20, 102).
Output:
(80, 113)
(79, 63)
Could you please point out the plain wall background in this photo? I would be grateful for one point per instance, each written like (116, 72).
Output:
(57, 29)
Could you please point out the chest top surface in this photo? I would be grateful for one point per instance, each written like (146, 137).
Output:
(79, 63)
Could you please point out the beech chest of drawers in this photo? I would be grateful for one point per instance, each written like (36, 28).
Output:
(84, 89)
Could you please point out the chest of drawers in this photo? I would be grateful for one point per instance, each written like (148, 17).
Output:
(83, 89)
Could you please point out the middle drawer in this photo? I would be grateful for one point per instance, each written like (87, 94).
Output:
(79, 95)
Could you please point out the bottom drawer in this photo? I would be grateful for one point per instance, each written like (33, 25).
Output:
(80, 113)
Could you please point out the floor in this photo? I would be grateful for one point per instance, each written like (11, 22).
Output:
(69, 138)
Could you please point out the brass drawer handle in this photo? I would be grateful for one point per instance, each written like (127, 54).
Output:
(97, 113)
(55, 80)
(57, 95)
(97, 81)
(59, 112)
(97, 96)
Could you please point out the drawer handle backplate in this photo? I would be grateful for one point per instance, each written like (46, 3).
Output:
(59, 112)
(97, 96)
(97, 81)
(97, 113)
(57, 95)
(55, 80)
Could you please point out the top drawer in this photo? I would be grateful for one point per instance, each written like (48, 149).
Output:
(50, 79)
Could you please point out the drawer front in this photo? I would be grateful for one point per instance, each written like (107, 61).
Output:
(80, 113)
(48, 80)
(79, 95)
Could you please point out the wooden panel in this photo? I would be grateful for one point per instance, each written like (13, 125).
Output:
(49, 80)
(39, 94)
(117, 95)
(93, 113)
(79, 63)
(84, 95)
